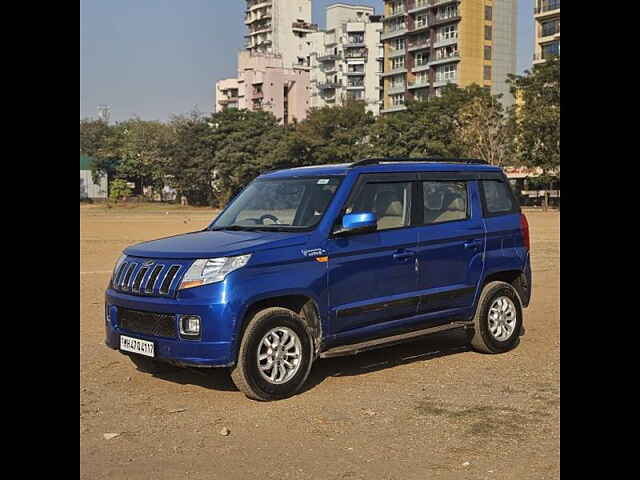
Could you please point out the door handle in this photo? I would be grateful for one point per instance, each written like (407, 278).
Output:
(473, 243)
(403, 255)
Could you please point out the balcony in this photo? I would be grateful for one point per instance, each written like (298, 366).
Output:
(393, 33)
(330, 85)
(542, 57)
(441, 82)
(359, 53)
(397, 14)
(257, 94)
(415, 27)
(397, 53)
(450, 58)
(258, 4)
(394, 108)
(436, 21)
(304, 27)
(355, 44)
(332, 57)
(249, 20)
(397, 71)
(421, 67)
(226, 101)
(394, 90)
(419, 7)
(355, 74)
(547, 7)
(413, 46)
(416, 84)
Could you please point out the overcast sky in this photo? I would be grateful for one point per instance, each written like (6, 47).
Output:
(152, 58)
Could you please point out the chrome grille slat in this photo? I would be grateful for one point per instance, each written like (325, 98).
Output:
(172, 273)
(138, 280)
(126, 282)
(118, 276)
(125, 269)
(153, 279)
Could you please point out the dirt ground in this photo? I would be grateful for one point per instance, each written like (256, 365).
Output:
(422, 410)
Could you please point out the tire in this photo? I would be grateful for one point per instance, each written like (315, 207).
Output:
(262, 383)
(493, 332)
(149, 365)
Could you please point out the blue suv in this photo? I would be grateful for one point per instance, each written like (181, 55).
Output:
(322, 261)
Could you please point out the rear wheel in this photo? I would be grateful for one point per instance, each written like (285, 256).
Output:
(498, 320)
(275, 355)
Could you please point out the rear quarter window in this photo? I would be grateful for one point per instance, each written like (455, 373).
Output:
(497, 198)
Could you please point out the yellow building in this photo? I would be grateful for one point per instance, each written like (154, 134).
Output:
(429, 43)
(547, 17)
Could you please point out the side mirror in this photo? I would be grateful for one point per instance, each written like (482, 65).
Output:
(359, 223)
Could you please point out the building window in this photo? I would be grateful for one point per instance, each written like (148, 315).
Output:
(487, 32)
(449, 11)
(446, 52)
(397, 7)
(551, 50)
(398, 44)
(397, 100)
(488, 13)
(397, 63)
(395, 25)
(551, 27)
(420, 96)
(421, 21)
(447, 73)
(487, 72)
(422, 78)
(487, 53)
(447, 32)
(397, 81)
(421, 59)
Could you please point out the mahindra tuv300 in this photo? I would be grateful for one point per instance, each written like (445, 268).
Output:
(329, 260)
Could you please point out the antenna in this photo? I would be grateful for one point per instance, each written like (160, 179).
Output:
(104, 113)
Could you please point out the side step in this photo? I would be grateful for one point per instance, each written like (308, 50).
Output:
(356, 348)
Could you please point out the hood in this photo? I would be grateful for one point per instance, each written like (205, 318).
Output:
(210, 244)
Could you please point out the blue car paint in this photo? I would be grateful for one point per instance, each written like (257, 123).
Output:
(434, 263)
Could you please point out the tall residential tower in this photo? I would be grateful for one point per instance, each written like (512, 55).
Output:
(273, 71)
(429, 43)
(547, 17)
(346, 61)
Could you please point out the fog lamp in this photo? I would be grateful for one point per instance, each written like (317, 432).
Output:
(190, 325)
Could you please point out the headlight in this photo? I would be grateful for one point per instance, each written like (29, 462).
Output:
(117, 268)
(211, 270)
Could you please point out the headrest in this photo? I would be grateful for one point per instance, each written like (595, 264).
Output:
(388, 203)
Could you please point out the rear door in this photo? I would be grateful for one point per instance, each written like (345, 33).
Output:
(451, 243)
(372, 276)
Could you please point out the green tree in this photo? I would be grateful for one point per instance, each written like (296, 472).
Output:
(484, 131)
(120, 190)
(537, 116)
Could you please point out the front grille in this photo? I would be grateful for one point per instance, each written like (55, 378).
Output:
(147, 323)
(137, 277)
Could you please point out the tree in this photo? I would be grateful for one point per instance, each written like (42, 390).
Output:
(484, 132)
(93, 135)
(537, 116)
(138, 148)
(190, 158)
(119, 190)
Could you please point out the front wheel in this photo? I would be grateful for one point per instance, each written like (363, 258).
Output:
(498, 320)
(275, 355)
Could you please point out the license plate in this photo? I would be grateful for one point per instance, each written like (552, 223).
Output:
(136, 346)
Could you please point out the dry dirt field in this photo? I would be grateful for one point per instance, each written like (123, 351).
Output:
(431, 409)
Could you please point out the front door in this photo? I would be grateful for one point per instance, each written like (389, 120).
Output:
(372, 276)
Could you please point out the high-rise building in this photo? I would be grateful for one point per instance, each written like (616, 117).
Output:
(280, 27)
(345, 59)
(547, 17)
(273, 70)
(429, 43)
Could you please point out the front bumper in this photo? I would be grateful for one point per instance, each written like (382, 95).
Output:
(214, 349)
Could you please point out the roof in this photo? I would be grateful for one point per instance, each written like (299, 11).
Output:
(386, 167)
(85, 162)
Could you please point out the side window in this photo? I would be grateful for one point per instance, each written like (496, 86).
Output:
(389, 201)
(444, 201)
(498, 198)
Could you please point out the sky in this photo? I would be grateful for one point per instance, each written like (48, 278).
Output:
(155, 58)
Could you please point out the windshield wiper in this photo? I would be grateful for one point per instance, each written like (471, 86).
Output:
(248, 228)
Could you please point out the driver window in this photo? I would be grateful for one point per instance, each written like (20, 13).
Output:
(389, 201)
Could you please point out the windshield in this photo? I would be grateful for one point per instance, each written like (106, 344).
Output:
(279, 204)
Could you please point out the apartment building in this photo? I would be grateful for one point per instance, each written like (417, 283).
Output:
(273, 70)
(547, 18)
(429, 43)
(346, 58)
(280, 27)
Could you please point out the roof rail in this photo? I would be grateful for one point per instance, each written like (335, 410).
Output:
(376, 161)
